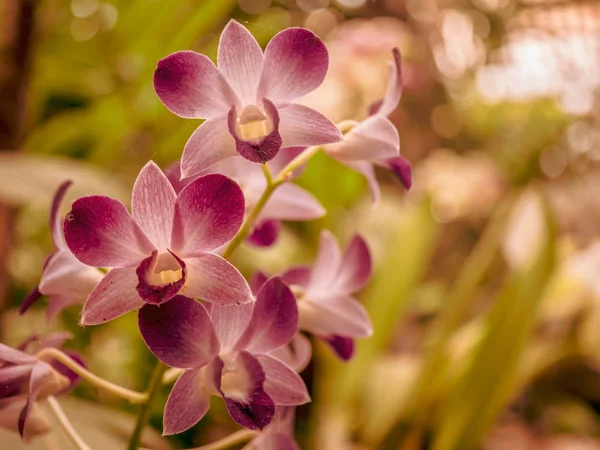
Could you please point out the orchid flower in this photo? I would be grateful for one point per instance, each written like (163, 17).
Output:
(279, 435)
(225, 351)
(324, 294)
(248, 101)
(163, 249)
(288, 201)
(64, 278)
(375, 140)
(24, 380)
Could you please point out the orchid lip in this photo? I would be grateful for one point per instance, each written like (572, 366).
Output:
(166, 271)
(253, 124)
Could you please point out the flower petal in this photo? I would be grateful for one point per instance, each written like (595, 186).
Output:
(155, 289)
(213, 279)
(152, 205)
(37, 422)
(326, 265)
(355, 270)
(282, 384)
(265, 233)
(56, 221)
(257, 281)
(262, 149)
(366, 168)
(285, 157)
(188, 402)
(303, 126)
(403, 170)
(65, 274)
(14, 356)
(299, 275)
(296, 354)
(295, 64)
(101, 233)
(208, 213)
(114, 296)
(240, 60)
(33, 296)
(189, 85)
(394, 89)
(339, 315)
(209, 144)
(179, 332)
(343, 347)
(291, 202)
(230, 322)
(248, 404)
(274, 319)
(272, 441)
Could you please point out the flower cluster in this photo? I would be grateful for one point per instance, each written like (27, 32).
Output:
(168, 256)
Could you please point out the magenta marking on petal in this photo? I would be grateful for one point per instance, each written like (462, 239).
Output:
(343, 347)
(150, 268)
(31, 298)
(55, 221)
(179, 332)
(403, 170)
(258, 410)
(257, 281)
(274, 319)
(265, 233)
(262, 149)
(374, 107)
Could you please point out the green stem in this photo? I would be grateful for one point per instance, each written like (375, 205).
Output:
(294, 164)
(153, 388)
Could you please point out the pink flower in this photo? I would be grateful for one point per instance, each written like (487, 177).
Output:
(279, 435)
(24, 380)
(163, 249)
(375, 140)
(225, 351)
(64, 278)
(288, 202)
(248, 101)
(324, 293)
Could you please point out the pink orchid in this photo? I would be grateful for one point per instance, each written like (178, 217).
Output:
(64, 278)
(375, 140)
(24, 380)
(248, 101)
(164, 248)
(289, 202)
(324, 293)
(225, 351)
(279, 435)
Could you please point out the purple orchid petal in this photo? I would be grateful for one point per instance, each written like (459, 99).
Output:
(327, 263)
(208, 213)
(14, 356)
(68, 373)
(246, 401)
(366, 168)
(403, 170)
(291, 202)
(295, 64)
(55, 219)
(394, 89)
(58, 303)
(54, 340)
(173, 174)
(296, 354)
(188, 402)
(179, 332)
(343, 347)
(282, 384)
(355, 269)
(335, 315)
(66, 275)
(272, 441)
(304, 126)
(10, 375)
(265, 233)
(33, 296)
(10, 409)
(160, 277)
(153, 204)
(189, 85)
(101, 233)
(230, 322)
(374, 139)
(261, 149)
(274, 319)
(209, 144)
(114, 296)
(240, 60)
(299, 275)
(215, 280)
(257, 281)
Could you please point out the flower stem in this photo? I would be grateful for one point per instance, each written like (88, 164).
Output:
(153, 388)
(101, 383)
(272, 185)
(64, 421)
(236, 438)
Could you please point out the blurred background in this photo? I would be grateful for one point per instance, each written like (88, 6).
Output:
(485, 297)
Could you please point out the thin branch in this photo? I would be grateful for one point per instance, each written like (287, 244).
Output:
(66, 424)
